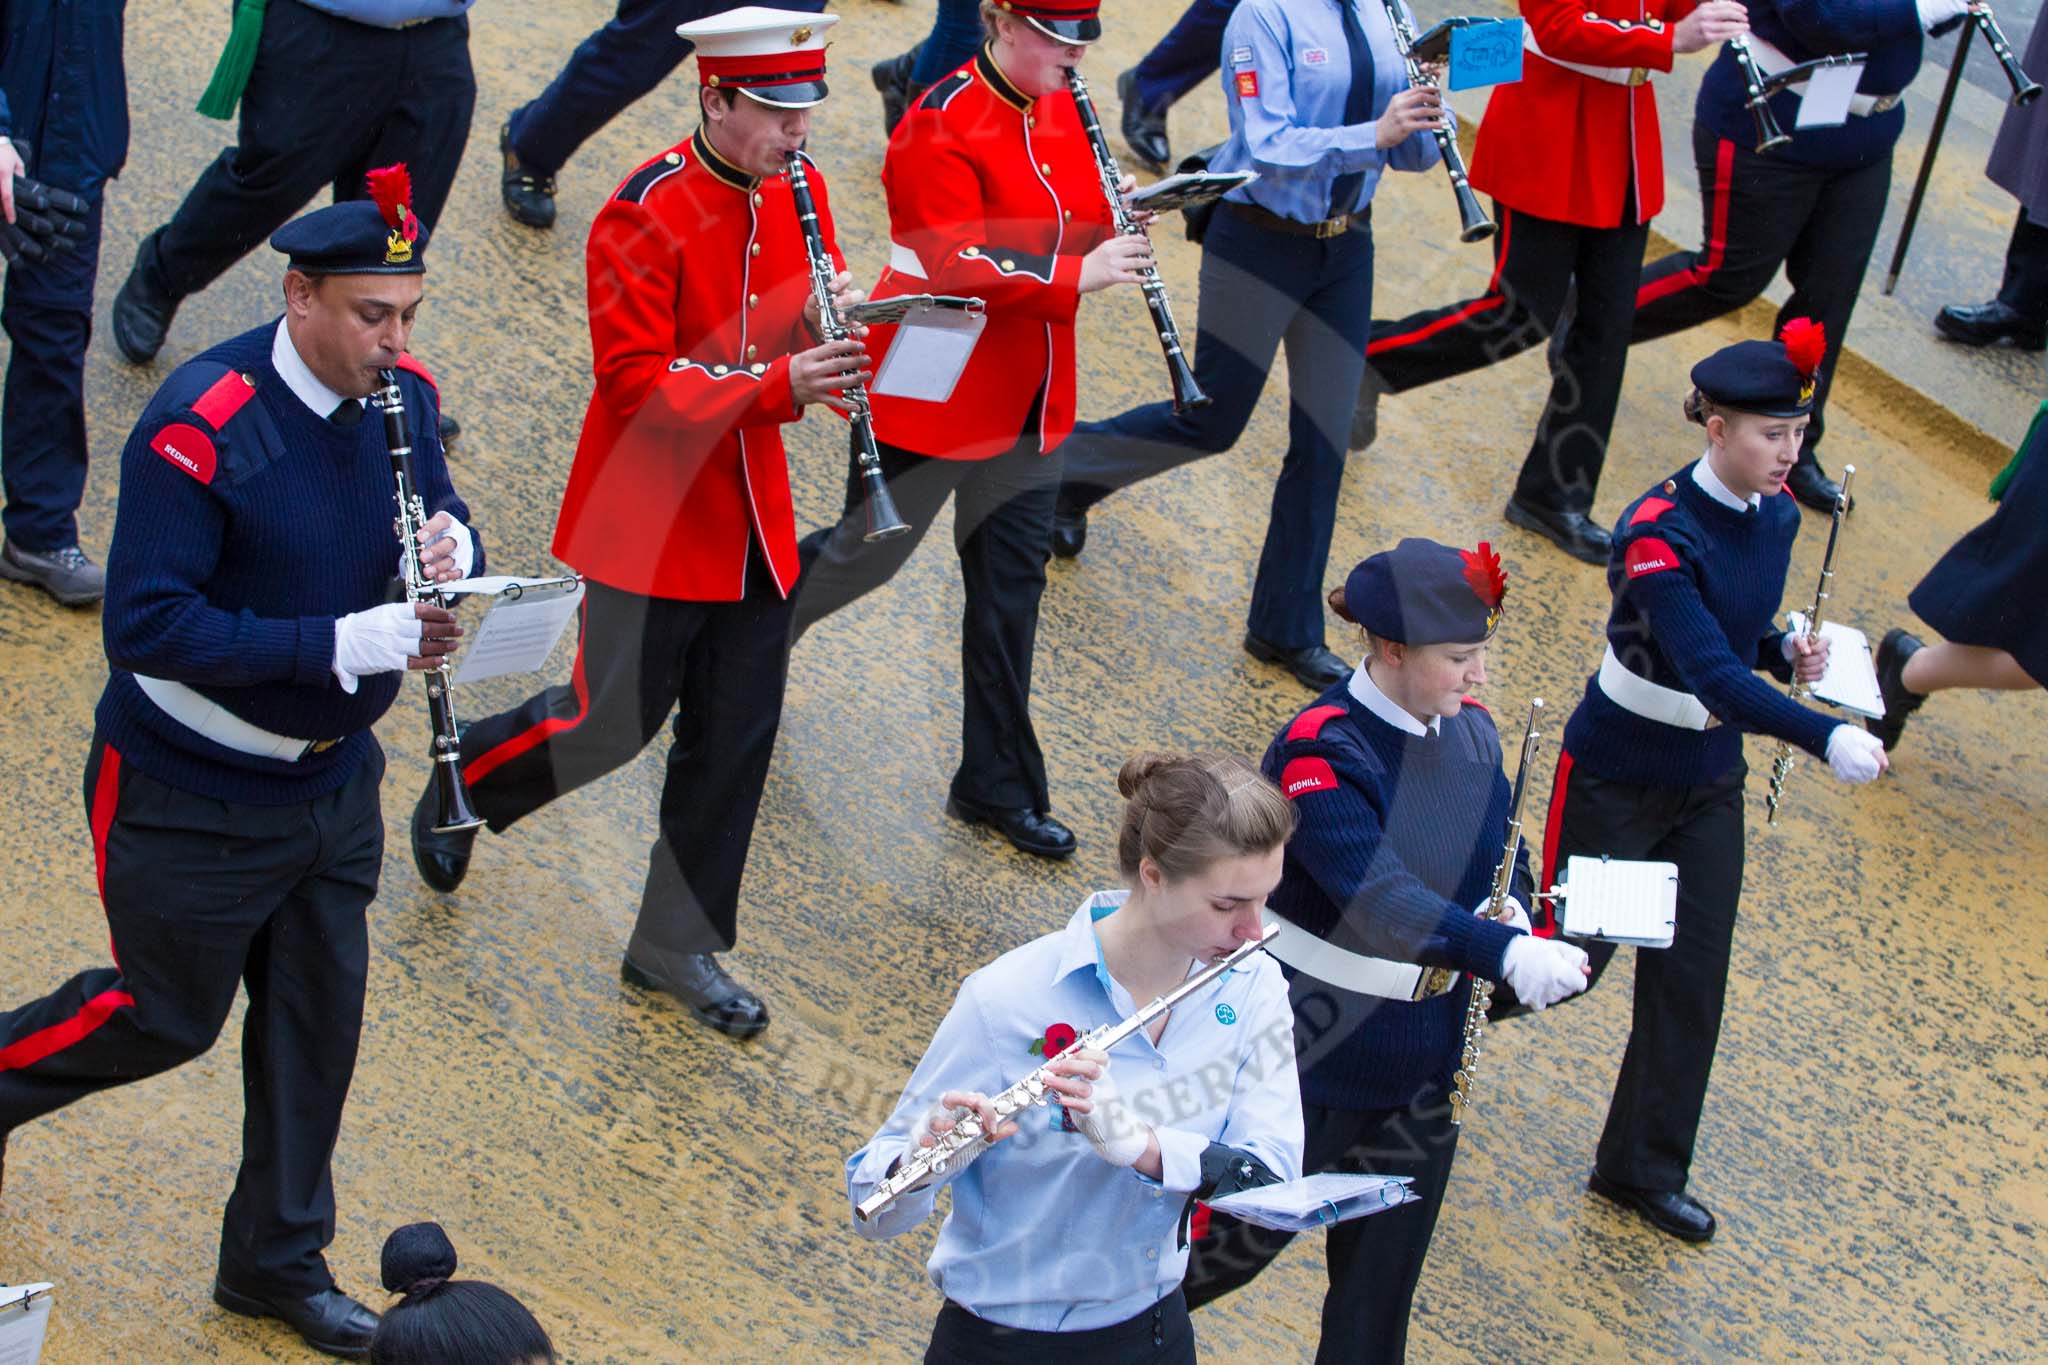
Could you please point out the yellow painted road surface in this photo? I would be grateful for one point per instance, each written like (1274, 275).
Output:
(658, 1193)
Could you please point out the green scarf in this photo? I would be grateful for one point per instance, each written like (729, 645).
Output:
(237, 59)
(2004, 478)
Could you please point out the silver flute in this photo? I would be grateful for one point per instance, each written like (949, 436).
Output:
(969, 1139)
(1781, 761)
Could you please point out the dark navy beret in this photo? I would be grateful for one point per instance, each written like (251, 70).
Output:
(1423, 593)
(376, 236)
(1769, 378)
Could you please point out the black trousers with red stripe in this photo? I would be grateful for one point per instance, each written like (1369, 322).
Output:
(1536, 262)
(1762, 212)
(202, 897)
(719, 668)
(1654, 1118)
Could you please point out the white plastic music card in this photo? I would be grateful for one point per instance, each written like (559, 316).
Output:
(1316, 1201)
(520, 630)
(1621, 901)
(1851, 679)
(1828, 92)
(24, 1320)
(928, 354)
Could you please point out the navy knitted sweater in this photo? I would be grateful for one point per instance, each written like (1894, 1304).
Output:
(1695, 586)
(239, 540)
(1888, 30)
(1397, 842)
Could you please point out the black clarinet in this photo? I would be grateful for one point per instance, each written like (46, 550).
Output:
(1473, 224)
(883, 521)
(1186, 392)
(1757, 95)
(2025, 89)
(451, 793)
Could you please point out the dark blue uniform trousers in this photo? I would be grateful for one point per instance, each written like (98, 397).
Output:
(608, 71)
(1260, 289)
(47, 315)
(1188, 55)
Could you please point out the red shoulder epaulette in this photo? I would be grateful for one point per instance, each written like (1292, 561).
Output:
(1650, 509)
(406, 362)
(224, 399)
(1474, 701)
(1310, 723)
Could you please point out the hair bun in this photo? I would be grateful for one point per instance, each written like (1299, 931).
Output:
(1140, 769)
(415, 1254)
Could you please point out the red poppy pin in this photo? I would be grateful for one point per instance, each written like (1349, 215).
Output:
(1056, 1039)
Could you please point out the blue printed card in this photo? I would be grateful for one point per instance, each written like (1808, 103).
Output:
(1486, 52)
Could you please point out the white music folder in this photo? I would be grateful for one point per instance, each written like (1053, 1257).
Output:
(526, 617)
(1851, 679)
(1316, 1201)
(24, 1321)
(1621, 901)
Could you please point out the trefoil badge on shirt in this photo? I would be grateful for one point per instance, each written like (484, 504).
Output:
(1225, 1015)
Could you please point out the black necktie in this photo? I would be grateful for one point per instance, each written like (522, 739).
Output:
(348, 414)
(1357, 104)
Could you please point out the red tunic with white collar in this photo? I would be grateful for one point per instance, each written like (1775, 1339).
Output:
(697, 285)
(995, 196)
(1564, 145)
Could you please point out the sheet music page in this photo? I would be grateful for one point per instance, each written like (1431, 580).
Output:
(1293, 1205)
(1826, 101)
(22, 1331)
(1626, 902)
(928, 353)
(517, 635)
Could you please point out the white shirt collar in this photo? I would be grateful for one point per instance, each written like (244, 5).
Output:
(1703, 474)
(301, 381)
(1367, 693)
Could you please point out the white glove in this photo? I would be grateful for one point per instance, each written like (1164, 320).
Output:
(1934, 12)
(381, 640)
(1543, 971)
(1110, 1127)
(1518, 918)
(1856, 755)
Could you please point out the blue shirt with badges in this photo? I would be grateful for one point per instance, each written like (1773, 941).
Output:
(1286, 79)
(1044, 1235)
(391, 13)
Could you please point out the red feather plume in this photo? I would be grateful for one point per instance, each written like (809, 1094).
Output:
(1483, 572)
(391, 188)
(1806, 341)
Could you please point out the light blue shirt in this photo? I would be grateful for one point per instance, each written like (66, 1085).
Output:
(1286, 73)
(1044, 1234)
(391, 13)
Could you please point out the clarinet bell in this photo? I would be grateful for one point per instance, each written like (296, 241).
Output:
(1473, 224)
(452, 811)
(1187, 394)
(884, 522)
(1769, 135)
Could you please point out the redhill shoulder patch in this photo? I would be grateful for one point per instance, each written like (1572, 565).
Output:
(187, 447)
(1649, 555)
(1304, 775)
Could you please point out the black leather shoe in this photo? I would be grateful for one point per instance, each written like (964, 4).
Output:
(1069, 529)
(1314, 665)
(1144, 129)
(529, 196)
(1987, 324)
(1892, 653)
(701, 984)
(330, 1321)
(69, 575)
(142, 314)
(442, 859)
(1812, 487)
(449, 428)
(1027, 830)
(1577, 534)
(1672, 1211)
(1365, 415)
(891, 79)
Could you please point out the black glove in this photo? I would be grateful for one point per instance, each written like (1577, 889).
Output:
(46, 220)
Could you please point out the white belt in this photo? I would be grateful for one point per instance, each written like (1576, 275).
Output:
(1639, 696)
(1619, 75)
(1325, 961)
(904, 261)
(209, 718)
(1771, 60)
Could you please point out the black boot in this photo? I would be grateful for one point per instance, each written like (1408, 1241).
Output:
(1144, 128)
(891, 79)
(1365, 416)
(1899, 703)
(1069, 528)
(701, 985)
(1987, 324)
(330, 1321)
(529, 196)
(1577, 534)
(1811, 485)
(1313, 666)
(142, 311)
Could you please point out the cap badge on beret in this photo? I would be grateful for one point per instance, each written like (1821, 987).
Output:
(1489, 583)
(1806, 343)
(391, 190)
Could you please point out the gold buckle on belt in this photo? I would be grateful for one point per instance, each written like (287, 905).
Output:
(1638, 75)
(1333, 227)
(1884, 103)
(321, 746)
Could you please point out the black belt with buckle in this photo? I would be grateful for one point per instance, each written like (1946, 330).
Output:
(1294, 227)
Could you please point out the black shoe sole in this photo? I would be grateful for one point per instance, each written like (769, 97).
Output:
(971, 815)
(1617, 1194)
(2018, 341)
(247, 1306)
(1528, 521)
(633, 976)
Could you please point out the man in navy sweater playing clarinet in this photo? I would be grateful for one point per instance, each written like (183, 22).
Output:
(231, 789)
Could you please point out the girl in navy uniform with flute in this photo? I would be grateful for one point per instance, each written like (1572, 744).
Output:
(1652, 766)
(1395, 777)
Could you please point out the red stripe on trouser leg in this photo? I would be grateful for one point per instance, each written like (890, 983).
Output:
(106, 790)
(1486, 302)
(1710, 260)
(533, 736)
(1544, 919)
